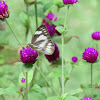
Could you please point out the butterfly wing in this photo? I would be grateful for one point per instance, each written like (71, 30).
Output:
(41, 41)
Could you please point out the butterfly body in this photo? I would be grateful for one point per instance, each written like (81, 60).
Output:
(41, 41)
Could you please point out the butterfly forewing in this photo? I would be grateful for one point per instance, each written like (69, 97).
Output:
(41, 41)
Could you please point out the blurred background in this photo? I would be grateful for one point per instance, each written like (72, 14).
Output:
(83, 19)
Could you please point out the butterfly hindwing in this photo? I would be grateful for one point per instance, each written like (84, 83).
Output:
(41, 41)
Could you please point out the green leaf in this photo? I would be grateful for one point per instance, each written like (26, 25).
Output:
(61, 29)
(59, 3)
(47, 6)
(67, 38)
(71, 98)
(37, 93)
(53, 98)
(63, 96)
(59, 22)
(9, 91)
(85, 63)
(55, 72)
(30, 75)
(2, 91)
(76, 91)
(24, 19)
(71, 92)
(27, 67)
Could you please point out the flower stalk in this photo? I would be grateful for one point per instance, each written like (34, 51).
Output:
(47, 81)
(36, 16)
(26, 85)
(62, 64)
(63, 51)
(91, 76)
(13, 32)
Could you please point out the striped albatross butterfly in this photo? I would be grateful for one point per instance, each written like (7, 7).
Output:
(41, 41)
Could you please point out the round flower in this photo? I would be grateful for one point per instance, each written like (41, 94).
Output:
(90, 55)
(87, 98)
(51, 29)
(23, 80)
(49, 16)
(55, 56)
(70, 1)
(74, 59)
(96, 35)
(28, 55)
(4, 12)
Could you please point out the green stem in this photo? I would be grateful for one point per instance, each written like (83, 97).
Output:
(69, 75)
(34, 74)
(29, 24)
(62, 64)
(63, 51)
(47, 81)
(12, 31)
(26, 85)
(60, 82)
(91, 77)
(36, 17)
(47, 88)
(66, 16)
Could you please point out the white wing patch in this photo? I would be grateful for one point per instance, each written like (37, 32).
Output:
(38, 32)
(42, 45)
(41, 37)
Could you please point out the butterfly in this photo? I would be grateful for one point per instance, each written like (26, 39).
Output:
(41, 41)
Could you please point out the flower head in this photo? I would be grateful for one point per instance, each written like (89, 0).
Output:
(87, 98)
(96, 35)
(4, 12)
(70, 1)
(51, 29)
(28, 55)
(90, 55)
(55, 56)
(23, 80)
(49, 16)
(74, 59)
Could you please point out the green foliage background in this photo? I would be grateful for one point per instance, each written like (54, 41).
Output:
(83, 20)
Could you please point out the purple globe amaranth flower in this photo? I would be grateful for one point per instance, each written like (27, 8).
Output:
(55, 56)
(70, 1)
(51, 28)
(4, 12)
(96, 35)
(87, 98)
(90, 55)
(74, 59)
(28, 55)
(23, 80)
(49, 16)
